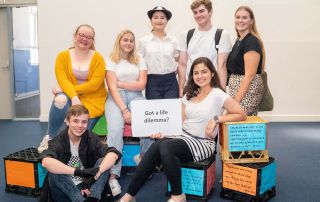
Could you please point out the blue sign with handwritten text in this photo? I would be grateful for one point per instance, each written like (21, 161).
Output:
(192, 181)
(247, 137)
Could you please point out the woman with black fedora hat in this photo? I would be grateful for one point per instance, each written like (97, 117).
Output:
(161, 56)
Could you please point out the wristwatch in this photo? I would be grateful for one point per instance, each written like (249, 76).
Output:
(216, 119)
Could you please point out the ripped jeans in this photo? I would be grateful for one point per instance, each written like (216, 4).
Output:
(58, 112)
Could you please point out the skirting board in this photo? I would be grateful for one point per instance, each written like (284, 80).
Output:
(291, 118)
(271, 118)
(44, 118)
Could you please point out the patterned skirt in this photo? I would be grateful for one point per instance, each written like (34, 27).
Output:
(250, 102)
(200, 148)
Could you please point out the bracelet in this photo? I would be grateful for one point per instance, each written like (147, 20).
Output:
(125, 110)
(216, 119)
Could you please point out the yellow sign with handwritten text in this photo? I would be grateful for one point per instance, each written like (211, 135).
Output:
(239, 178)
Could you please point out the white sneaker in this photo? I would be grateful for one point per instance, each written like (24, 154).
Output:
(44, 143)
(115, 187)
(137, 159)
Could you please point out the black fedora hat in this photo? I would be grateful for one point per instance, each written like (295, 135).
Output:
(162, 9)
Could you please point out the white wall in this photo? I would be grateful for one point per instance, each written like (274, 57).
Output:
(290, 30)
(21, 18)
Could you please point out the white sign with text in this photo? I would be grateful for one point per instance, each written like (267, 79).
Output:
(154, 116)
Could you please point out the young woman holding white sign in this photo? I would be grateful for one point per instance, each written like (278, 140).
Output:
(159, 50)
(126, 78)
(202, 110)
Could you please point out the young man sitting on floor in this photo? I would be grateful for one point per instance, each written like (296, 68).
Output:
(77, 162)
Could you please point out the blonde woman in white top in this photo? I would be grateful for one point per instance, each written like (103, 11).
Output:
(126, 78)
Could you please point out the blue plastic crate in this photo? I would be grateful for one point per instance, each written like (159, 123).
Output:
(131, 147)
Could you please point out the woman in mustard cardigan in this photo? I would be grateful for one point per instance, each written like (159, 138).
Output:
(80, 73)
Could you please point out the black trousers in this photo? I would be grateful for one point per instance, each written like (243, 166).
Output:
(162, 86)
(170, 153)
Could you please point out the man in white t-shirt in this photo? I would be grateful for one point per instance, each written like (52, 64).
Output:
(202, 44)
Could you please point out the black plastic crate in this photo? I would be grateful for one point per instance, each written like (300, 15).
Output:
(198, 179)
(23, 172)
(249, 182)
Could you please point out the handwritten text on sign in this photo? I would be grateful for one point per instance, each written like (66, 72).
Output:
(192, 181)
(247, 137)
(239, 178)
(154, 116)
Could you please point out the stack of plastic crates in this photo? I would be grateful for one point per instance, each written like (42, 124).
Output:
(248, 173)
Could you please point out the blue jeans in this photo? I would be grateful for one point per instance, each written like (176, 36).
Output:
(63, 188)
(116, 123)
(57, 114)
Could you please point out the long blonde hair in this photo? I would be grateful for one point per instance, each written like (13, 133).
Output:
(253, 30)
(115, 54)
(92, 47)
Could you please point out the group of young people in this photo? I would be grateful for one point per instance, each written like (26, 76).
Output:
(81, 98)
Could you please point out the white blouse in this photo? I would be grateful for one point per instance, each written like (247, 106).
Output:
(159, 54)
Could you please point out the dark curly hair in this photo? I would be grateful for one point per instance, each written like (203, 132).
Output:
(191, 89)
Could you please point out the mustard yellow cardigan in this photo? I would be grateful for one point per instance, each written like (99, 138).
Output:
(92, 92)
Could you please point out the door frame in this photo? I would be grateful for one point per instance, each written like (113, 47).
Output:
(14, 69)
(9, 28)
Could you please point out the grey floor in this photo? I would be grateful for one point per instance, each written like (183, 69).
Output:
(28, 107)
(296, 147)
